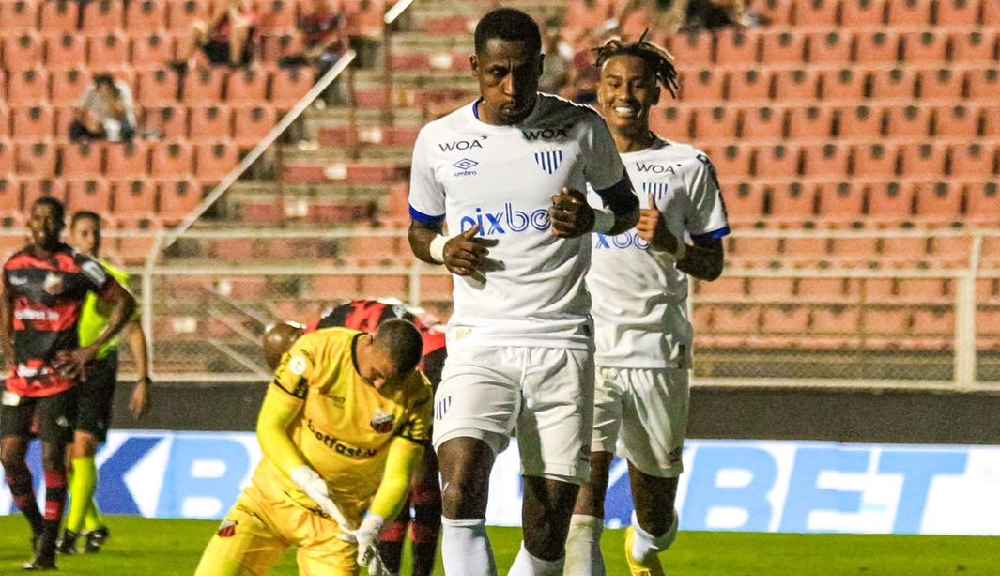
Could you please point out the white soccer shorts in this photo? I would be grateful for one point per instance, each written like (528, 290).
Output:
(641, 414)
(544, 396)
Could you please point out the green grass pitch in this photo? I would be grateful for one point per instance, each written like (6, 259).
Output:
(173, 547)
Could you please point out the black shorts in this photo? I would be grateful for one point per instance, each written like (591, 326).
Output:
(217, 52)
(48, 417)
(96, 397)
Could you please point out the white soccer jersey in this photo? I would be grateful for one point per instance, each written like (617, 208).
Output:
(467, 172)
(640, 313)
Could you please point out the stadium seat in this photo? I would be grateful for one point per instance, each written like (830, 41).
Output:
(214, 161)
(170, 161)
(4, 121)
(938, 201)
(157, 88)
(973, 47)
(821, 290)
(831, 47)
(910, 122)
(388, 285)
(951, 248)
(925, 47)
(890, 202)
(886, 321)
(103, 15)
(862, 13)
(991, 121)
(331, 287)
(924, 290)
(744, 203)
(68, 87)
(716, 124)
(33, 189)
(146, 16)
(723, 289)
(923, 160)
(19, 15)
(796, 85)
(749, 86)
(983, 203)
(877, 47)
(776, 161)
(991, 14)
(840, 202)
(59, 16)
(133, 197)
(182, 15)
(782, 47)
(811, 251)
(210, 123)
(901, 13)
(90, 195)
(274, 48)
(983, 84)
(277, 14)
(793, 202)
(674, 122)
(810, 123)
(64, 51)
(24, 51)
(835, 320)
(252, 123)
(287, 87)
(817, 13)
(737, 318)
(893, 84)
(762, 124)
(10, 190)
(152, 50)
(705, 86)
(246, 87)
(203, 86)
(785, 319)
(957, 13)
(969, 161)
(7, 158)
(170, 122)
(737, 48)
(753, 249)
(907, 251)
(107, 50)
(844, 85)
(825, 161)
(775, 12)
(874, 161)
(733, 161)
(934, 321)
(942, 85)
(83, 161)
(28, 88)
(691, 49)
(35, 160)
(178, 198)
(32, 123)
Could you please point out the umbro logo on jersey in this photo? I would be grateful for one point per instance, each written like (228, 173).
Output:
(657, 189)
(547, 133)
(654, 168)
(466, 167)
(460, 145)
(549, 160)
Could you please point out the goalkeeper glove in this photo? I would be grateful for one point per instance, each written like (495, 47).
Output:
(316, 489)
(367, 539)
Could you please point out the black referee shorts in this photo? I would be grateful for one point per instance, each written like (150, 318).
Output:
(96, 397)
(50, 418)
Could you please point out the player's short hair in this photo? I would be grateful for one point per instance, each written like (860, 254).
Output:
(659, 61)
(510, 25)
(59, 211)
(85, 215)
(401, 339)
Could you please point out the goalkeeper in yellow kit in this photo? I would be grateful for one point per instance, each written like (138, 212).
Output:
(343, 425)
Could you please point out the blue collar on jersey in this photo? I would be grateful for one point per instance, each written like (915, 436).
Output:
(475, 108)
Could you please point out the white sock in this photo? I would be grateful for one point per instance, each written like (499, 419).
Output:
(646, 544)
(527, 565)
(583, 547)
(465, 548)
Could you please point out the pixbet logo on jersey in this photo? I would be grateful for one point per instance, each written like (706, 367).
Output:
(507, 220)
(623, 241)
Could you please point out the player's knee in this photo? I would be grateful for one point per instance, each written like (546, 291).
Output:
(85, 445)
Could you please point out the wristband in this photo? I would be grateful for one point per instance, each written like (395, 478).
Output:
(603, 221)
(436, 248)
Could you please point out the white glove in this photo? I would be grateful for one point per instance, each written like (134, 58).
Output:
(367, 538)
(315, 488)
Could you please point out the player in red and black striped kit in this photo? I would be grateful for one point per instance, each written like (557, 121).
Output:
(425, 495)
(41, 295)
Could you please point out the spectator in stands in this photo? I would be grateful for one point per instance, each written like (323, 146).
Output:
(227, 37)
(555, 75)
(106, 112)
(671, 16)
(365, 31)
(324, 37)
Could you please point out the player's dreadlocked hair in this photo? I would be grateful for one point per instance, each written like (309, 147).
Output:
(659, 61)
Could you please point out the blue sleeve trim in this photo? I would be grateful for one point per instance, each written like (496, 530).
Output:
(717, 234)
(619, 198)
(425, 219)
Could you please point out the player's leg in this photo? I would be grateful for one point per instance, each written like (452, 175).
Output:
(393, 537)
(583, 543)
(16, 419)
(465, 470)
(554, 432)
(426, 524)
(653, 431)
(244, 544)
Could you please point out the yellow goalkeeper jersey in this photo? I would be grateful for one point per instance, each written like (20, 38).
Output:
(345, 425)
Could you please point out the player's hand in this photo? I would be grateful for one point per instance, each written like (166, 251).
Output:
(73, 363)
(367, 538)
(652, 228)
(316, 489)
(138, 404)
(570, 214)
(466, 254)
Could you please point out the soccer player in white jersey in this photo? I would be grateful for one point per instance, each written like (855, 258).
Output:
(505, 174)
(642, 333)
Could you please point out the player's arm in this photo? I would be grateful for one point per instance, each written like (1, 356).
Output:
(73, 362)
(6, 323)
(140, 400)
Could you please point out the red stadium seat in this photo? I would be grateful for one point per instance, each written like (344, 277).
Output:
(991, 14)
(780, 161)
(693, 49)
(724, 289)
(923, 160)
(64, 51)
(19, 15)
(924, 290)
(939, 85)
(128, 161)
(889, 321)
(7, 162)
(795, 85)
(782, 47)
(32, 123)
(107, 50)
(957, 13)
(69, 87)
(214, 161)
(33, 189)
(951, 247)
(785, 319)
(340, 286)
(817, 13)
(762, 124)
(35, 160)
(274, 48)
(874, 161)
(28, 87)
(277, 14)
(750, 86)
(732, 161)
(737, 48)
(844, 85)
(4, 121)
(744, 203)
(888, 201)
(767, 289)
(152, 50)
(983, 203)
(938, 201)
(704, 87)
(146, 16)
(910, 122)
(925, 47)
(908, 13)
(775, 12)
(841, 202)
(970, 161)
(716, 124)
(10, 191)
(391, 285)
(289, 86)
(246, 87)
(859, 13)
(210, 123)
(822, 290)
(170, 123)
(810, 251)
(22, 52)
(825, 161)
(830, 47)
(133, 197)
(859, 123)
(157, 88)
(737, 319)
(252, 123)
(178, 198)
(991, 121)
(674, 122)
(82, 161)
(204, 86)
(895, 83)
(103, 15)
(810, 123)
(171, 161)
(972, 47)
(836, 320)
(877, 47)
(182, 15)
(90, 195)
(984, 84)
(59, 16)
(934, 321)
(793, 202)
